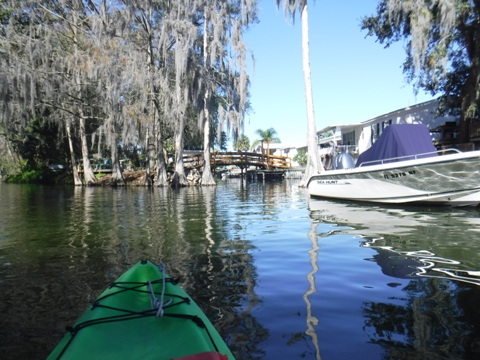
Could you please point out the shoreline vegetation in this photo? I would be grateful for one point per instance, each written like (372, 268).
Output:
(131, 178)
(134, 80)
(193, 174)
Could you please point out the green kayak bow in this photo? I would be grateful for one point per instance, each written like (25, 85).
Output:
(144, 314)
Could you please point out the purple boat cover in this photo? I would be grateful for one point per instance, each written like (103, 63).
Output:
(399, 140)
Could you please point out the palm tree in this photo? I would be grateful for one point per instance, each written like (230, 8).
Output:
(314, 162)
(242, 143)
(268, 136)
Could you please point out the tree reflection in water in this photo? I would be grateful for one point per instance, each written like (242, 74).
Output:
(312, 321)
(436, 317)
(432, 322)
(222, 277)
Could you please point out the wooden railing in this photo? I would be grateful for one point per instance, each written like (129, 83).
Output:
(240, 159)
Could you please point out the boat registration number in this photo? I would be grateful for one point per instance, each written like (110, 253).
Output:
(399, 174)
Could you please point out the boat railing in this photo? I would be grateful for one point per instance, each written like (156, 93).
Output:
(409, 157)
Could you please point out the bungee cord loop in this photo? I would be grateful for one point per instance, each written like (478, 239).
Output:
(156, 303)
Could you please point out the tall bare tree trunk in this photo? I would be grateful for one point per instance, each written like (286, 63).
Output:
(76, 177)
(314, 162)
(150, 156)
(162, 179)
(207, 177)
(12, 156)
(471, 93)
(117, 175)
(268, 154)
(88, 175)
(179, 178)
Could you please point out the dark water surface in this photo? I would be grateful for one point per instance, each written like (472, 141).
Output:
(281, 276)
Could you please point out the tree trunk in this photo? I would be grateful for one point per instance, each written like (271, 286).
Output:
(88, 175)
(268, 154)
(76, 177)
(464, 124)
(469, 101)
(162, 179)
(150, 156)
(207, 177)
(314, 162)
(179, 176)
(117, 175)
(12, 156)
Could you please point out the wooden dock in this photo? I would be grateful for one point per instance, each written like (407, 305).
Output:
(268, 175)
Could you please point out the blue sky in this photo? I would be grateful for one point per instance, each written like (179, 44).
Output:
(354, 78)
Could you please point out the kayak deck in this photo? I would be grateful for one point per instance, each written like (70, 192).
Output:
(143, 315)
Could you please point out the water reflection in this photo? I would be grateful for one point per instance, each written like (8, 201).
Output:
(435, 320)
(418, 263)
(60, 246)
(279, 281)
(431, 257)
(312, 321)
(412, 241)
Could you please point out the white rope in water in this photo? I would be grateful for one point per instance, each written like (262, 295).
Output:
(155, 302)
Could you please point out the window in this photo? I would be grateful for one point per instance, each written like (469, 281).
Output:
(385, 124)
(377, 129)
(375, 132)
(348, 138)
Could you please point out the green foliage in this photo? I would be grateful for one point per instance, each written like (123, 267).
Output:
(4, 16)
(37, 145)
(242, 143)
(134, 154)
(169, 146)
(301, 158)
(326, 134)
(441, 51)
(268, 136)
(7, 168)
(223, 141)
(27, 175)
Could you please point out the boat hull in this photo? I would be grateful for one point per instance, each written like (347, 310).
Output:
(124, 324)
(443, 180)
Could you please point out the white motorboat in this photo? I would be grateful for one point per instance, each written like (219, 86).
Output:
(412, 175)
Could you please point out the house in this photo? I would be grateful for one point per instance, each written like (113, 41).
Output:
(356, 138)
(288, 150)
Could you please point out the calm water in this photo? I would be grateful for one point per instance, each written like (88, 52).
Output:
(280, 275)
